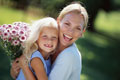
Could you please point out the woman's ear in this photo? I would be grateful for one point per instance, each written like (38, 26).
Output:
(84, 30)
(58, 20)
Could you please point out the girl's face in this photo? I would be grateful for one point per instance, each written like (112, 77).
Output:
(48, 39)
(71, 28)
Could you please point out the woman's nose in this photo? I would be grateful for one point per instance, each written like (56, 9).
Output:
(71, 31)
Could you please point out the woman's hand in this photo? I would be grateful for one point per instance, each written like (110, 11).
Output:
(15, 69)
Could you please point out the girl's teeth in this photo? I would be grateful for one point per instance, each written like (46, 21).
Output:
(48, 45)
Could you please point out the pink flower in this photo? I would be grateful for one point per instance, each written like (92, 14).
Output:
(8, 30)
(4, 38)
(14, 35)
(25, 27)
(5, 25)
(5, 34)
(16, 27)
(21, 32)
(9, 25)
(14, 23)
(15, 42)
(22, 38)
(13, 32)
(9, 39)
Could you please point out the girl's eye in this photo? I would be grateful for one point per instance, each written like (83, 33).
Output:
(44, 36)
(54, 38)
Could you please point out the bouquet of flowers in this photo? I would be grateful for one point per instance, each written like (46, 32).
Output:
(12, 38)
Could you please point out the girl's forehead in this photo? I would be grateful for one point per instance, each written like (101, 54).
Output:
(49, 30)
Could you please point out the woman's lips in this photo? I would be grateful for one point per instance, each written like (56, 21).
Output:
(67, 38)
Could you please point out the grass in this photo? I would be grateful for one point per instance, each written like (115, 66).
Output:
(100, 51)
(108, 23)
(10, 15)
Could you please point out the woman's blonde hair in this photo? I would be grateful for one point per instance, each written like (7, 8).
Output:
(75, 7)
(36, 28)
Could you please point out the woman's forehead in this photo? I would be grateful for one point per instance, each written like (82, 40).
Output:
(74, 18)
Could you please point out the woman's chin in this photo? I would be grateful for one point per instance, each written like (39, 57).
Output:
(65, 43)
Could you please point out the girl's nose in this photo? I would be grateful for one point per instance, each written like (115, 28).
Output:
(49, 40)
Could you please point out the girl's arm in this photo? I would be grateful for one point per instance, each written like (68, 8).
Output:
(27, 73)
(38, 67)
(25, 68)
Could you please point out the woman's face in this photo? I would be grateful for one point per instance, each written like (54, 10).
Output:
(71, 28)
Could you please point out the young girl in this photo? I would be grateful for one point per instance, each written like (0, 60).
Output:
(39, 46)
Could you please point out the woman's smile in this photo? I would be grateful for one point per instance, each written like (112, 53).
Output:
(67, 37)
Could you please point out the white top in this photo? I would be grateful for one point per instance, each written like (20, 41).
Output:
(67, 65)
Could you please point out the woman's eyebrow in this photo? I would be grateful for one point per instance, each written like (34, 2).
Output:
(68, 21)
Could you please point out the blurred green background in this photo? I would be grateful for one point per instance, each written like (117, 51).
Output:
(100, 45)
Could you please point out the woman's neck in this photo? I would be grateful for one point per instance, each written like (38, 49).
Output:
(59, 49)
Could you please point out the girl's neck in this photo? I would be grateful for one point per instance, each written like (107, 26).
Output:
(44, 54)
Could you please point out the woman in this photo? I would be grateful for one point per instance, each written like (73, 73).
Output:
(66, 61)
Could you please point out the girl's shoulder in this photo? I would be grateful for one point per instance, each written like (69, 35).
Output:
(37, 54)
(46, 63)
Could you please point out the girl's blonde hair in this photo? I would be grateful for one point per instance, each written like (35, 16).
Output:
(75, 7)
(36, 28)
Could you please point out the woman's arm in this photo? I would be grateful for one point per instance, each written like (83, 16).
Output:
(38, 67)
(15, 69)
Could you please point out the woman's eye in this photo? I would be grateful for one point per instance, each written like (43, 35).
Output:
(67, 24)
(79, 28)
